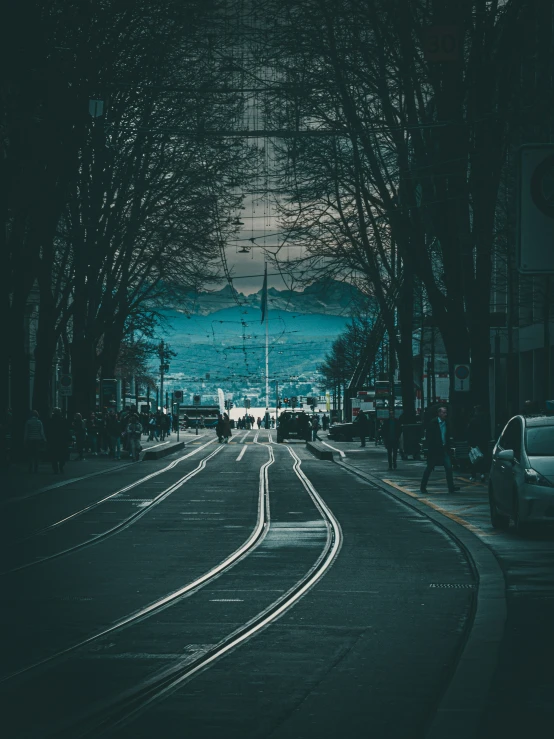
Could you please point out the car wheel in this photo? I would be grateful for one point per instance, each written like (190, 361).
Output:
(498, 520)
(521, 527)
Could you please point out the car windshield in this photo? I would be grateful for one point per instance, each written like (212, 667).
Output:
(540, 441)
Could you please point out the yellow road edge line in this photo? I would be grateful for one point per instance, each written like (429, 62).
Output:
(457, 519)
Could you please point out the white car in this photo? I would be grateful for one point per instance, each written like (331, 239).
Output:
(521, 484)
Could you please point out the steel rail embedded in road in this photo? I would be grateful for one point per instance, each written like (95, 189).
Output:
(129, 704)
(122, 525)
(135, 484)
(258, 534)
(71, 480)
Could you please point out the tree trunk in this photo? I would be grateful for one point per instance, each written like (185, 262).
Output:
(42, 386)
(404, 349)
(44, 354)
(83, 370)
(19, 369)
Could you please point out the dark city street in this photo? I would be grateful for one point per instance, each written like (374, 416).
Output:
(277, 428)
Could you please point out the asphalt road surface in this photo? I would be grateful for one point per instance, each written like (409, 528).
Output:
(251, 590)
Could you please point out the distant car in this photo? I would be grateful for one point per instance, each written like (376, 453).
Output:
(288, 427)
(521, 483)
(343, 432)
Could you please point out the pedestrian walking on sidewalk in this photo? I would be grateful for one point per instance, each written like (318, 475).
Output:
(153, 426)
(134, 432)
(362, 425)
(391, 431)
(315, 428)
(113, 428)
(219, 428)
(59, 440)
(226, 428)
(438, 449)
(33, 438)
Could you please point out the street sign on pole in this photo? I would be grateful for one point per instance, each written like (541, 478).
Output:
(535, 209)
(66, 385)
(461, 378)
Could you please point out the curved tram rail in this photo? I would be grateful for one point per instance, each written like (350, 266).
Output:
(257, 535)
(125, 707)
(122, 524)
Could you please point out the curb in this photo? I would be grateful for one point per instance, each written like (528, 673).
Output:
(463, 701)
(159, 453)
(318, 452)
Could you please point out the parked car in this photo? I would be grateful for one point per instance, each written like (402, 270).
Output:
(343, 432)
(521, 484)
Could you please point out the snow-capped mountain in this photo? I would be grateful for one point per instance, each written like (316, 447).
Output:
(330, 298)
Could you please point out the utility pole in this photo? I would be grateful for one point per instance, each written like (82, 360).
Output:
(162, 367)
(546, 334)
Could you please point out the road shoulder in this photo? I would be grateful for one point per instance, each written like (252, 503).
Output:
(465, 697)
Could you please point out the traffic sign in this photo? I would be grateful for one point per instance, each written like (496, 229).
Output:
(535, 209)
(461, 378)
(66, 385)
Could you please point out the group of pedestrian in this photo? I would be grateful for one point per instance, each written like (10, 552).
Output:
(56, 438)
(223, 428)
(104, 433)
(159, 425)
(245, 422)
(438, 441)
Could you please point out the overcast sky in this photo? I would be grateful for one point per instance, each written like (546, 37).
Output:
(248, 269)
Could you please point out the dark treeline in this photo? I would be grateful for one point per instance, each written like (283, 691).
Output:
(410, 180)
(112, 201)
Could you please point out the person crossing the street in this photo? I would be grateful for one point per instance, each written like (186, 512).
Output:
(438, 450)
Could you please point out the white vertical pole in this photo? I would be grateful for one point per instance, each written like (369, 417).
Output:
(266, 361)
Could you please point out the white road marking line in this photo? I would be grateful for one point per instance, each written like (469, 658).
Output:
(244, 448)
(256, 537)
(342, 454)
(117, 493)
(270, 614)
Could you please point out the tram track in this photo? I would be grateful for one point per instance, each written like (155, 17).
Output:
(105, 499)
(256, 536)
(72, 480)
(120, 710)
(124, 703)
(122, 525)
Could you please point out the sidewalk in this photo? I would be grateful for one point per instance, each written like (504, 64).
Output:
(468, 507)
(18, 482)
(517, 700)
